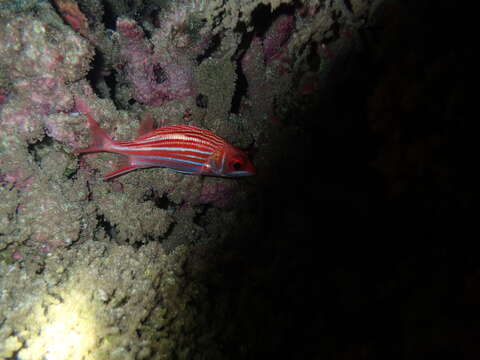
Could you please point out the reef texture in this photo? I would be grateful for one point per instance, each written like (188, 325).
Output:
(102, 301)
(234, 67)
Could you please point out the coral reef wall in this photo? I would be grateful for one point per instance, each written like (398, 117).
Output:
(123, 269)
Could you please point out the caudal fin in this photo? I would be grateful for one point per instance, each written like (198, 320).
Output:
(101, 141)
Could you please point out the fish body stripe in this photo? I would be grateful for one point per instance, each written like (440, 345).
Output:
(187, 157)
(152, 152)
(164, 142)
(139, 150)
(171, 163)
(182, 133)
(156, 159)
(194, 139)
(183, 148)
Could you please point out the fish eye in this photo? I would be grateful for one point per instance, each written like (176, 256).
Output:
(236, 164)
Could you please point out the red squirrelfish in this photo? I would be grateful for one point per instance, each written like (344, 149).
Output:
(183, 148)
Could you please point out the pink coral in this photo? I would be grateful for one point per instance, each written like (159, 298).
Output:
(17, 255)
(47, 92)
(155, 80)
(220, 195)
(26, 120)
(19, 178)
(277, 36)
(41, 62)
(267, 67)
(73, 16)
(3, 95)
(59, 127)
(272, 47)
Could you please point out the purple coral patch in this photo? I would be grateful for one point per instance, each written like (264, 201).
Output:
(277, 36)
(219, 195)
(155, 81)
(3, 95)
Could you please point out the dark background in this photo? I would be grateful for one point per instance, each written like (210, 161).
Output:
(365, 241)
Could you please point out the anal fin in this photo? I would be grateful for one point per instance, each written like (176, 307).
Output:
(123, 166)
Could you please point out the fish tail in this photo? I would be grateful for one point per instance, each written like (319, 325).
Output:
(101, 141)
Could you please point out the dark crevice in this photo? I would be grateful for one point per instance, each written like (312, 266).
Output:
(160, 201)
(146, 12)
(214, 44)
(109, 16)
(348, 5)
(40, 269)
(241, 28)
(106, 225)
(201, 101)
(313, 60)
(333, 33)
(163, 202)
(284, 9)
(138, 244)
(159, 74)
(111, 82)
(241, 87)
(71, 173)
(95, 76)
(200, 212)
(35, 148)
(245, 42)
(169, 231)
(263, 17)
